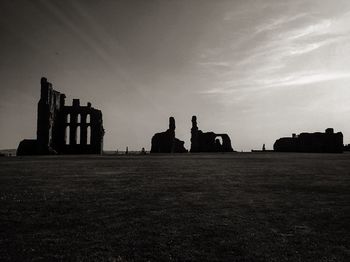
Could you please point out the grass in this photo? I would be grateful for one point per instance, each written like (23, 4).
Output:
(192, 207)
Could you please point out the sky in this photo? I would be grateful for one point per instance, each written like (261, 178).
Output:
(257, 70)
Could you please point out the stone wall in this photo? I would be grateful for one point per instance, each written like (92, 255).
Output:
(64, 129)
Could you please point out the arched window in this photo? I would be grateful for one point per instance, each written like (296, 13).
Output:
(68, 119)
(88, 118)
(78, 135)
(67, 135)
(218, 140)
(79, 119)
(88, 135)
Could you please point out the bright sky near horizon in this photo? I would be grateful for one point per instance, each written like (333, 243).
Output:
(257, 70)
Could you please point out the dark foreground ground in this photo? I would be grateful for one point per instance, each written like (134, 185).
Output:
(219, 207)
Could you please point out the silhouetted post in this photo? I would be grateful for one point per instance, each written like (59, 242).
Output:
(126, 151)
(194, 135)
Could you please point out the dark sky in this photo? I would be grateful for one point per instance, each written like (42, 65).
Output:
(257, 70)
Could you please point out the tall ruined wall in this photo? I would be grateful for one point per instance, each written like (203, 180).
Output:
(64, 129)
(81, 129)
(50, 103)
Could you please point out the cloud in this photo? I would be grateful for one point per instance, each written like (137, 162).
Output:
(311, 78)
(277, 23)
(320, 27)
(291, 80)
(284, 51)
(215, 63)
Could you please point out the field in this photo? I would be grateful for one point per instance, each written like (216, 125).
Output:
(192, 207)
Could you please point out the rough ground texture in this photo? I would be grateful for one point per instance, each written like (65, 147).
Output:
(192, 207)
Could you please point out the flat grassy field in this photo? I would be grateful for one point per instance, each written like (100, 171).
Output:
(191, 207)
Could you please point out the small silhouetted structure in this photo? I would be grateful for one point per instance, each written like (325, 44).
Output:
(127, 150)
(209, 141)
(63, 129)
(143, 151)
(328, 142)
(347, 147)
(263, 148)
(166, 142)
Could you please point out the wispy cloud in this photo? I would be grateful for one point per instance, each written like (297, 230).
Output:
(277, 23)
(310, 78)
(321, 27)
(296, 79)
(277, 53)
(215, 63)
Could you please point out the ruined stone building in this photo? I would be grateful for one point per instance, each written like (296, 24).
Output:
(347, 147)
(209, 141)
(63, 129)
(166, 142)
(328, 142)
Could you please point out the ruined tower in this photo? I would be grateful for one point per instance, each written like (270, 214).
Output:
(49, 106)
(194, 135)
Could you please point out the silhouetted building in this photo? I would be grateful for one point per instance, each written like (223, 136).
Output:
(328, 142)
(209, 141)
(64, 129)
(347, 147)
(166, 142)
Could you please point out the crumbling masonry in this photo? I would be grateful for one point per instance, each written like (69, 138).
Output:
(166, 142)
(64, 129)
(209, 141)
(328, 142)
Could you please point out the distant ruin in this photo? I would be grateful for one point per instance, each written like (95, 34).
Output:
(64, 129)
(328, 142)
(166, 142)
(209, 141)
